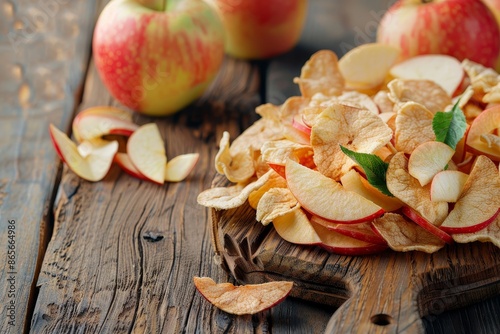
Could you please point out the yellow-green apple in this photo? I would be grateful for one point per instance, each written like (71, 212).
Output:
(459, 28)
(158, 56)
(428, 159)
(260, 29)
(326, 198)
(481, 138)
(444, 70)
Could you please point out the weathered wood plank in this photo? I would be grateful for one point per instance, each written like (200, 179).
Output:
(44, 50)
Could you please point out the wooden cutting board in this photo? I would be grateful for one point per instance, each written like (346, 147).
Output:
(384, 293)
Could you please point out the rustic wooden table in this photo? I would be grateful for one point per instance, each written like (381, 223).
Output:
(88, 257)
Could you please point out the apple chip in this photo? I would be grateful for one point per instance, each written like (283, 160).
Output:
(238, 167)
(413, 127)
(275, 203)
(489, 234)
(243, 299)
(224, 198)
(291, 107)
(350, 98)
(482, 78)
(408, 189)
(275, 181)
(278, 151)
(383, 102)
(357, 129)
(405, 236)
(425, 92)
(321, 74)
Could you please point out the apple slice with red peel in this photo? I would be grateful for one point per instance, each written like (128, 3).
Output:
(89, 126)
(243, 299)
(485, 123)
(444, 70)
(479, 202)
(404, 236)
(427, 159)
(360, 231)
(296, 228)
(146, 150)
(424, 223)
(490, 233)
(326, 198)
(298, 123)
(447, 186)
(341, 244)
(123, 160)
(180, 167)
(92, 167)
(107, 111)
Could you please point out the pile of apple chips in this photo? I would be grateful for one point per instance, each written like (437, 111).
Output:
(376, 153)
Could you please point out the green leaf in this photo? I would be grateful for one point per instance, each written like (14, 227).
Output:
(374, 168)
(449, 127)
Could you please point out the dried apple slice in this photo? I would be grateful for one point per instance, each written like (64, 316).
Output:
(486, 123)
(428, 159)
(357, 67)
(296, 228)
(424, 92)
(404, 236)
(327, 198)
(180, 167)
(447, 186)
(275, 203)
(243, 299)
(123, 160)
(94, 166)
(413, 127)
(490, 233)
(146, 150)
(479, 202)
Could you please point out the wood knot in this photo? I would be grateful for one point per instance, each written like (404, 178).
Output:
(151, 236)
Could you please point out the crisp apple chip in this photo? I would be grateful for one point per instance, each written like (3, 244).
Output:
(408, 189)
(275, 181)
(275, 203)
(321, 74)
(482, 79)
(238, 167)
(383, 102)
(291, 107)
(278, 151)
(489, 234)
(357, 129)
(350, 98)
(425, 92)
(405, 236)
(413, 127)
(243, 299)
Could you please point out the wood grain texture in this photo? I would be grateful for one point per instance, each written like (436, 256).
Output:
(44, 50)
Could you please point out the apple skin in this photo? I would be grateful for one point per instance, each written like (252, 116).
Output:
(260, 29)
(459, 28)
(158, 61)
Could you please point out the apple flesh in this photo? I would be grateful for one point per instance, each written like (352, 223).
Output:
(327, 198)
(92, 126)
(180, 167)
(260, 29)
(485, 123)
(415, 217)
(158, 59)
(428, 159)
(447, 186)
(459, 28)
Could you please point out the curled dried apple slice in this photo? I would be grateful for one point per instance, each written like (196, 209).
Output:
(486, 123)
(236, 167)
(180, 167)
(94, 166)
(424, 92)
(243, 299)
(489, 234)
(275, 203)
(413, 126)
(146, 150)
(428, 159)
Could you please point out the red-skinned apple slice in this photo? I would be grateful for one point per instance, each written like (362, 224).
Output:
(444, 70)
(180, 167)
(146, 150)
(106, 111)
(479, 202)
(428, 159)
(243, 299)
(89, 126)
(486, 123)
(123, 160)
(94, 166)
(299, 124)
(489, 234)
(296, 228)
(415, 217)
(327, 198)
(447, 186)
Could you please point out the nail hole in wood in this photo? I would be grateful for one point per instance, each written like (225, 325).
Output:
(152, 236)
(381, 319)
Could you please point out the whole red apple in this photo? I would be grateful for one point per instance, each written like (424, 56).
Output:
(157, 56)
(259, 29)
(459, 28)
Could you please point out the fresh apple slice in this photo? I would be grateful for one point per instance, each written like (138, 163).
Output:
(341, 244)
(180, 167)
(123, 160)
(428, 159)
(447, 186)
(88, 126)
(94, 166)
(479, 203)
(404, 236)
(444, 70)
(357, 67)
(424, 223)
(353, 181)
(243, 299)
(146, 150)
(296, 228)
(485, 123)
(360, 231)
(106, 111)
(327, 198)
